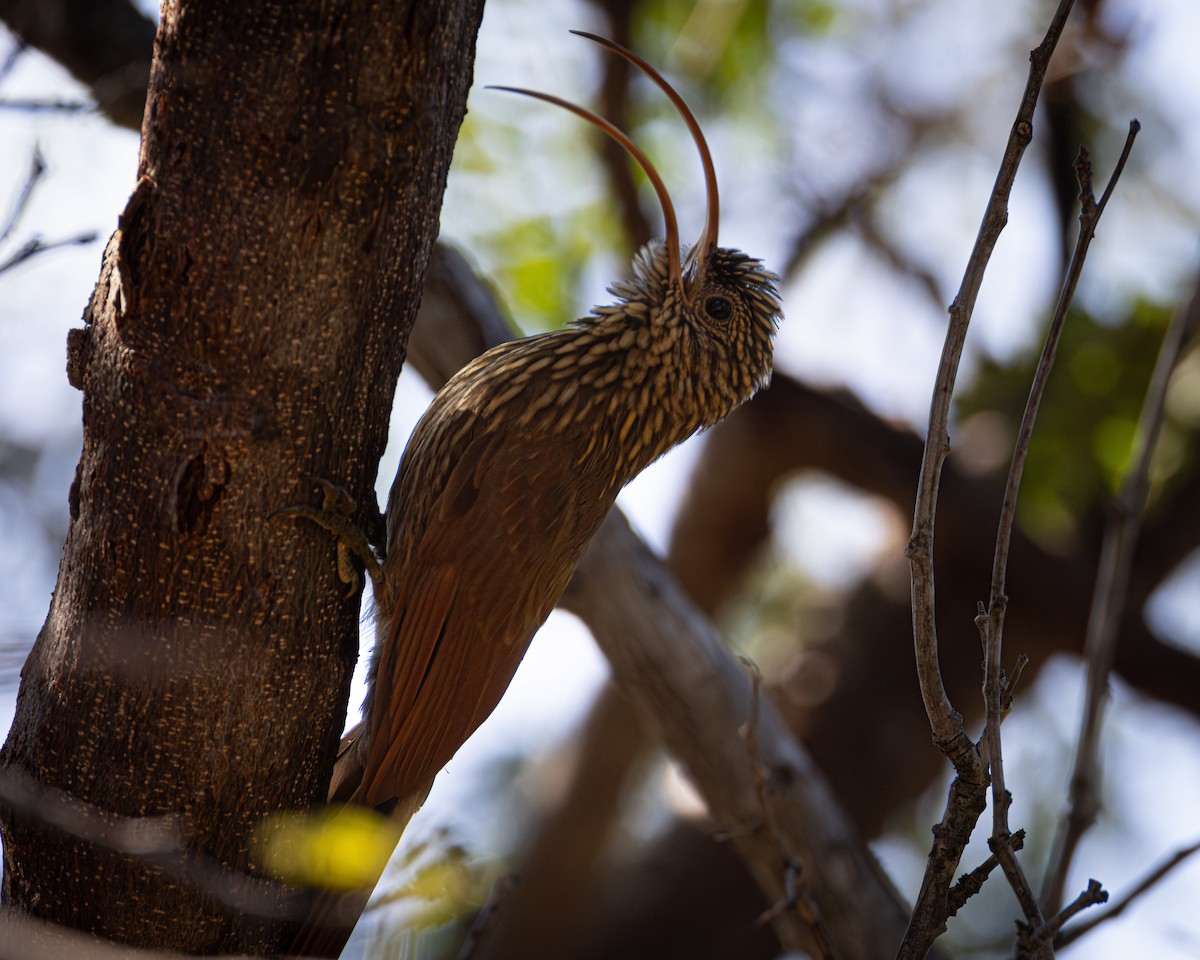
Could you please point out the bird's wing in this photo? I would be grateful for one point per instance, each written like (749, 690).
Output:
(497, 549)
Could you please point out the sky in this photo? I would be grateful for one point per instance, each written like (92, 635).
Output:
(850, 322)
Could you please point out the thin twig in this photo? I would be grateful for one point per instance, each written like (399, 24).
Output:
(1040, 938)
(1140, 888)
(971, 883)
(1108, 603)
(48, 106)
(37, 167)
(992, 625)
(31, 249)
(35, 245)
(946, 723)
(967, 797)
(794, 897)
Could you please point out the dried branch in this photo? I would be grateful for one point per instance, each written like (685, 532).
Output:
(1038, 940)
(945, 721)
(991, 625)
(1139, 889)
(1108, 601)
(32, 247)
(47, 106)
(667, 659)
(967, 791)
(794, 897)
(971, 883)
(37, 168)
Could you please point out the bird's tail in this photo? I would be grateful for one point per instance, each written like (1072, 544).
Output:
(329, 924)
(348, 767)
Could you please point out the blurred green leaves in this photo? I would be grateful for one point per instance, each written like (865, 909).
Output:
(1086, 426)
(540, 262)
(725, 43)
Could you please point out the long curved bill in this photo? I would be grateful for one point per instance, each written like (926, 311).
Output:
(707, 244)
(708, 239)
(674, 267)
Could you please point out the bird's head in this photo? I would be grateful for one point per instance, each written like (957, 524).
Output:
(716, 307)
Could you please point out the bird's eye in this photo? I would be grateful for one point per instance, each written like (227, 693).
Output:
(718, 308)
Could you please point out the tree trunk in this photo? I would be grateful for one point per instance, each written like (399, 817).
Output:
(245, 334)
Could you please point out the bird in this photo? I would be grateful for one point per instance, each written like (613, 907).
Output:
(513, 468)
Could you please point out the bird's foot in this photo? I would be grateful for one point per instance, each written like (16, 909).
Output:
(334, 515)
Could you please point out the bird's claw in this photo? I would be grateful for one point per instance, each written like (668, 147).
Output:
(334, 515)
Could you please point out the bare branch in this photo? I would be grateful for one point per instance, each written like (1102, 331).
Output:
(667, 659)
(1108, 601)
(31, 248)
(1093, 895)
(966, 795)
(1140, 888)
(971, 883)
(992, 624)
(37, 167)
(47, 106)
(945, 721)
(1089, 217)
(794, 897)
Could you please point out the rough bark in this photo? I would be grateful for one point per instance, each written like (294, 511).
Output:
(246, 332)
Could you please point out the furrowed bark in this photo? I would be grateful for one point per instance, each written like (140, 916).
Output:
(246, 332)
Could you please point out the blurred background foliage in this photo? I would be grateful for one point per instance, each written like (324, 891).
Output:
(856, 143)
(1085, 433)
